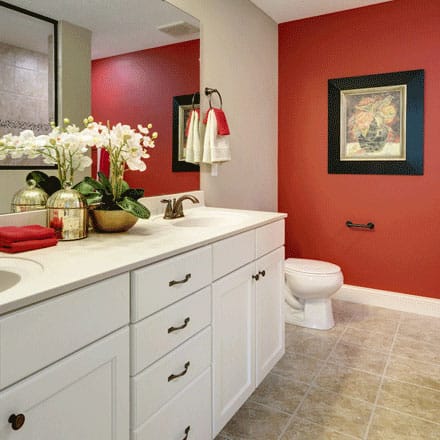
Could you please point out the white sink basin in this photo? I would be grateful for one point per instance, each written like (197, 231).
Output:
(206, 218)
(17, 270)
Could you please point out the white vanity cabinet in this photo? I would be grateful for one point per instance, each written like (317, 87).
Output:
(171, 348)
(248, 324)
(64, 366)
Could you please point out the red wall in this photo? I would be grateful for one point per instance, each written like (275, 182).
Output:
(403, 252)
(138, 88)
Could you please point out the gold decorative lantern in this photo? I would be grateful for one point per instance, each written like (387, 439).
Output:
(29, 198)
(67, 213)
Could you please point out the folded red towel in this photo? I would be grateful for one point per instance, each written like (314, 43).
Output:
(222, 123)
(28, 245)
(13, 234)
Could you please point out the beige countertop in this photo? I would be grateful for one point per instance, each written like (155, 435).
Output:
(74, 264)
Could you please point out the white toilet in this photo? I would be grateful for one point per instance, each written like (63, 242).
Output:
(307, 290)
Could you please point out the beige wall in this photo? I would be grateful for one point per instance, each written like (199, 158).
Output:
(239, 57)
(73, 97)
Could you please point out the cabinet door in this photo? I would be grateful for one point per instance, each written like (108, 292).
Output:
(269, 312)
(85, 396)
(233, 328)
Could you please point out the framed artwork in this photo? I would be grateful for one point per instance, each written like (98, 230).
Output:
(375, 124)
(182, 107)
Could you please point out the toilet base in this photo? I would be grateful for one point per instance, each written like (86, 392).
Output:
(317, 314)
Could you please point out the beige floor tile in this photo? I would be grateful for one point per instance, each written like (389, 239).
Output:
(255, 422)
(297, 367)
(358, 357)
(343, 311)
(313, 343)
(301, 429)
(422, 328)
(416, 349)
(388, 425)
(410, 399)
(370, 340)
(377, 320)
(415, 372)
(352, 383)
(336, 412)
(280, 393)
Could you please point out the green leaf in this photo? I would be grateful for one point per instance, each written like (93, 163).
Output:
(50, 184)
(133, 193)
(38, 176)
(94, 184)
(105, 182)
(124, 187)
(134, 207)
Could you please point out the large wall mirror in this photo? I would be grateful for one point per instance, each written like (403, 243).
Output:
(143, 54)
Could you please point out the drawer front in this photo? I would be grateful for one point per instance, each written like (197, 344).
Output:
(157, 335)
(189, 413)
(231, 253)
(161, 284)
(39, 335)
(160, 382)
(270, 237)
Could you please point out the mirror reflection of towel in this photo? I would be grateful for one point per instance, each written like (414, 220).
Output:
(192, 151)
(216, 147)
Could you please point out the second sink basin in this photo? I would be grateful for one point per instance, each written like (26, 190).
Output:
(17, 270)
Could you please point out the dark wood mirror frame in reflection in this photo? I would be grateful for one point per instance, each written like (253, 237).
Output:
(35, 104)
(182, 107)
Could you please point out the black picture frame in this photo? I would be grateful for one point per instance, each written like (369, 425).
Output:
(40, 165)
(182, 103)
(413, 111)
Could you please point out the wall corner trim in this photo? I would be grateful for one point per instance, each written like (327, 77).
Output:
(390, 300)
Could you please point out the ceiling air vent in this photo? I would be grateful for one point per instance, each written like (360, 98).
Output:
(179, 28)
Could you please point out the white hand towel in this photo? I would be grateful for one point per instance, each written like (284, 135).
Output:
(216, 147)
(192, 151)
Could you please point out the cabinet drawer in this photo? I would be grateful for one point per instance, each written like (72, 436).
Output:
(188, 413)
(154, 287)
(159, 334)
(269, 237)
(231, 253)
(37, 336)
(155, 386)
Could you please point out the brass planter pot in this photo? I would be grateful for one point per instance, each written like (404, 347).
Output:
(112, 221)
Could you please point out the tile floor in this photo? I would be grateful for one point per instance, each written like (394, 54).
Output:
(374, 376)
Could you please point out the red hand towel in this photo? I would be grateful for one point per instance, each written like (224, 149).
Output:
(12, 234)
(222, 123)
(28, 245)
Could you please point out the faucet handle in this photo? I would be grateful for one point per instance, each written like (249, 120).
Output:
(168, 209)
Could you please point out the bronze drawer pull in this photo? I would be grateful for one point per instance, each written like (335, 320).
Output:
(16, 421)
(174, 282)
(262, 273)
(176, 376)
(256, 277)
(185, 323)
(187, 432)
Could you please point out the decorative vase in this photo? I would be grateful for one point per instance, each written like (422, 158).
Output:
(67, 213)
(112, 221)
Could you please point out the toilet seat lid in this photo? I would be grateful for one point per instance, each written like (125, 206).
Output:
(304, 265)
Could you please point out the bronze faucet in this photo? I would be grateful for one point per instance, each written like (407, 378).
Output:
(174, 208)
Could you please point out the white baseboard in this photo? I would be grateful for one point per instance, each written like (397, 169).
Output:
(390, 300)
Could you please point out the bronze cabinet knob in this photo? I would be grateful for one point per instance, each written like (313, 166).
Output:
(16, 421)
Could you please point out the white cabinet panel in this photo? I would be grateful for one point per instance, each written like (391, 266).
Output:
(161, 284)
(187, 416)
(233, 252)
(269, 312)
(32, 338)
(269, 237)
(233, 327)
(157, 335)
(153, 387)
(85, 396)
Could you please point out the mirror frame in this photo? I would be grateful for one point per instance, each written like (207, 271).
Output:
(55, 77)
(181, 104)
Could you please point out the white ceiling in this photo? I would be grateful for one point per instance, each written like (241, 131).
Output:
(118, 26)
(287, 10)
